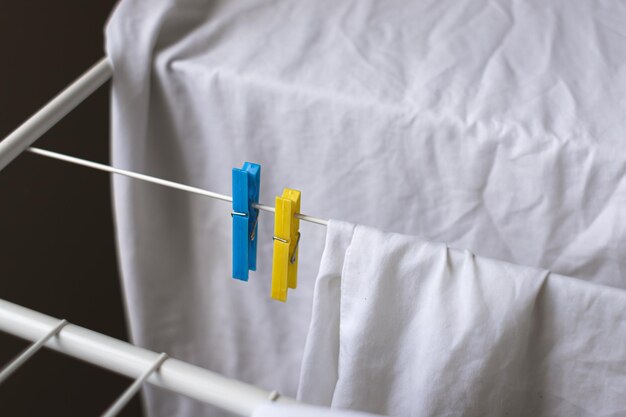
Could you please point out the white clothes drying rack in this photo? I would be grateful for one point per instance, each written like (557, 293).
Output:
(132, 361)
(90, 346)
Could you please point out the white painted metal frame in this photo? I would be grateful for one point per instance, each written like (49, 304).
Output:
(132, 361)
(93, 347)
(40, 122)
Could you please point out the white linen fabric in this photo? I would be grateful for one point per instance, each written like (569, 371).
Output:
(495, 126)
(404, 327)
(282, 410)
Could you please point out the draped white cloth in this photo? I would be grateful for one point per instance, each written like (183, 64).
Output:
(496, 126)
(404, 327)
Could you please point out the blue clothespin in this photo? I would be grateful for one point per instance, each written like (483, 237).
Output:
(246, 186)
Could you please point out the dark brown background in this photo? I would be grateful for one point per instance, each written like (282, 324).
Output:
(57, 253)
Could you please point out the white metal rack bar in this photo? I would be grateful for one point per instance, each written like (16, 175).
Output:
(133, 361)
(39, 123)
(29, 352)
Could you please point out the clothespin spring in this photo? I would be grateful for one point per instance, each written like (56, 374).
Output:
(256, 221)
(292, 258)
(253, 234)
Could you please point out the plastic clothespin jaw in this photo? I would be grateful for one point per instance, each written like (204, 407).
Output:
(286, 242)
(246, 188)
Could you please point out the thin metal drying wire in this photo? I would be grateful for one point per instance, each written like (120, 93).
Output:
(165, 183)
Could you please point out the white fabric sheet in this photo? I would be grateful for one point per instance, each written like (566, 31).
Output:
(404, 327)
(495, 126)
(281, 410)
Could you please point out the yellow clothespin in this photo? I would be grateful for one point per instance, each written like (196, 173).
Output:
(286, 240)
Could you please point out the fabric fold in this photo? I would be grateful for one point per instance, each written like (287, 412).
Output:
(425, 330)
